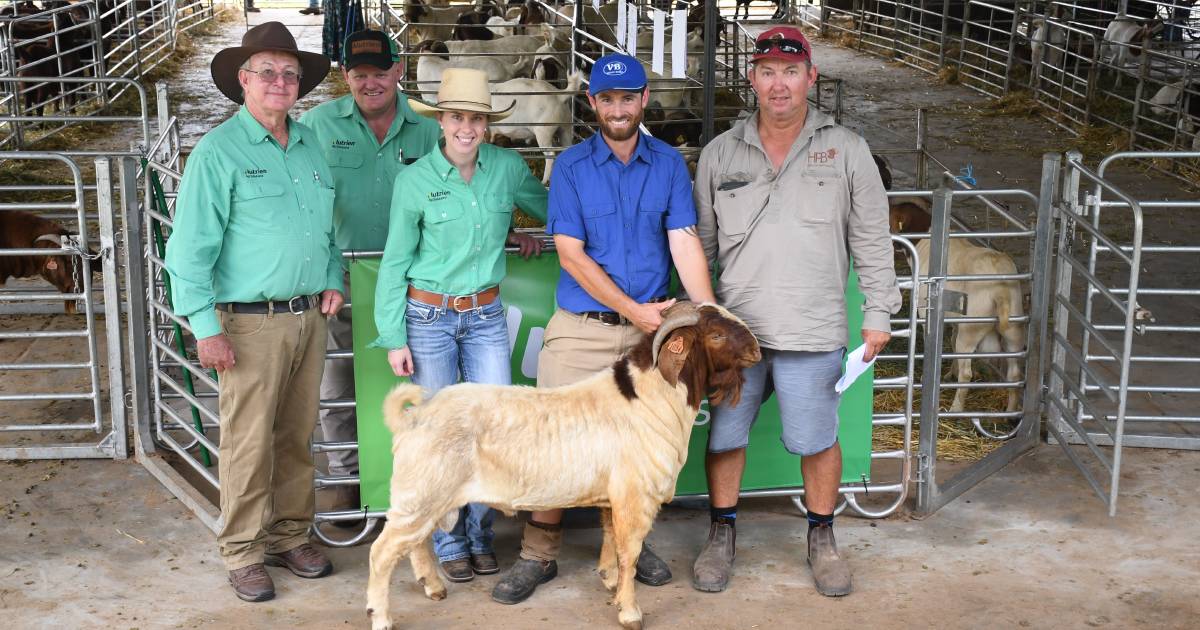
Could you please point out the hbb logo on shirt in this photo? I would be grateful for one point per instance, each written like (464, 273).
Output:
(822, 157)
(614, 69)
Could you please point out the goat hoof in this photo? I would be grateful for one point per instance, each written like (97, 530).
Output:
(609, 580)
(635, 624)
(435, 591)
(630, 619)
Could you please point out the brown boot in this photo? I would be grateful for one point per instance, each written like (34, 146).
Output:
(714, 565)
(252, 584)
(830, 571)
(484, 564)
(458, 570)
(305, 561)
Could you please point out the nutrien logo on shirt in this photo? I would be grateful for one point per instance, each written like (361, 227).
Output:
(822, 157)
(343, 144)
(438, 195)
(255, 173)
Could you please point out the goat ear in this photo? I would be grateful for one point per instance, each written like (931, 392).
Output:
(52, 265)
(674, 354)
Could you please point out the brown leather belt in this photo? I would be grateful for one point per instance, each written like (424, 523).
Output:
(457, 303)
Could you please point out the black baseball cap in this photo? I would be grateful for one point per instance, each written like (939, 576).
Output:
(368, 48)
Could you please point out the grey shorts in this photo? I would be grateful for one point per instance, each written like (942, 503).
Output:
(808, 405)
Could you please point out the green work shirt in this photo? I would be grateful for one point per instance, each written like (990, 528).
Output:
(253, 222)
(447, 236)
(363, 169)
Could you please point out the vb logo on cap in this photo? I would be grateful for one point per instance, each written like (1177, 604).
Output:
(616, 72)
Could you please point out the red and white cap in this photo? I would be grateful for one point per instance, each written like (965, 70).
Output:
(785, 43)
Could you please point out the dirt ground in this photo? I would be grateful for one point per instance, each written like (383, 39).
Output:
(98, 543)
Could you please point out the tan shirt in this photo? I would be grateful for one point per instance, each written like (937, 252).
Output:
(783, 241)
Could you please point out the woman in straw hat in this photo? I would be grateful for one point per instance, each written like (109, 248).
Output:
(437, 305)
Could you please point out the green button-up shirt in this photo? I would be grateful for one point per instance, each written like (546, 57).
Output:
(365, 170)
(447, 236)
(253, 222)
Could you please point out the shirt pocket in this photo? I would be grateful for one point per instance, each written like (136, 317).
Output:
(443, 212)
(499, 216)
(344, 159)
(822, 195)
(652, 218)
(258, 208)
(736, 210)
(598, 227)
(323, 213)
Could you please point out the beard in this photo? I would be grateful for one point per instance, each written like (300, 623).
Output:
(620, 135)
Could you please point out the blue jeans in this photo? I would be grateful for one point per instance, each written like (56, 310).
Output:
(444, 345)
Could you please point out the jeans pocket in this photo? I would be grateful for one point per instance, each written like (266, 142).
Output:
(240, 324)
(420, 313)
(491, 311)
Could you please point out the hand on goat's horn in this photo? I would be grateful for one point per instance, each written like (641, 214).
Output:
(681, 314)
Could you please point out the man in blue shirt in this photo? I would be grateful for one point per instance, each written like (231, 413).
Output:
(621, 212)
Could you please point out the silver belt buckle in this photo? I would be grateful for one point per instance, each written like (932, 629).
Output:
(291, 304)
(454, 303)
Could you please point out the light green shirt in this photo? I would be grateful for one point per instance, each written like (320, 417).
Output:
(447, 236)
(363, 169)
(253, 222)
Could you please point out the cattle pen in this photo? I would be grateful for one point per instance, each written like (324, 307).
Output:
(110, 432)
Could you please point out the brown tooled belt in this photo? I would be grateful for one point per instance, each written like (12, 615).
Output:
(457, 303)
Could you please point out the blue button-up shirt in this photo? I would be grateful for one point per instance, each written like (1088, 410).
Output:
(622, 213)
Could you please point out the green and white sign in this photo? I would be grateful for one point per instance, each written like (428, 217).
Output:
(528, 293)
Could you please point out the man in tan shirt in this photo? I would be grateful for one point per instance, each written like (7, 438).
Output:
(783, 199)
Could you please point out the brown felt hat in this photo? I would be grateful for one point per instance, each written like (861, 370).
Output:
(268, 36)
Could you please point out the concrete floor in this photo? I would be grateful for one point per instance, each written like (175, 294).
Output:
(100, 543)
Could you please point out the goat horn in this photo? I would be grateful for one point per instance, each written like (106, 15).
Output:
(50, 238)
(679, 315)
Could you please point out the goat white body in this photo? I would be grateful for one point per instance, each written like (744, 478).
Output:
(990, 298)
(521, 49)
(438, 23)
(504, 28)
(523, 448)
(431, 67)
(1046, 44)
(543, 116)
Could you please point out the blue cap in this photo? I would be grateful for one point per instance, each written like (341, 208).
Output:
(616, 72)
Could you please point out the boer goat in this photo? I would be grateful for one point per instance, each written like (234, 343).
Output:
(25, 230)
(616, 441)
(1001, 299)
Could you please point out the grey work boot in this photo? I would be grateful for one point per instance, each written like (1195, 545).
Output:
(522, 579)
(651, 570)
(714, 565)
(830, 571)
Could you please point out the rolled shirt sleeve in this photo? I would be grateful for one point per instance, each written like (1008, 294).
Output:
(869, 239)
(201, 215)
(702, 194)
(681, 208)
(564, 214)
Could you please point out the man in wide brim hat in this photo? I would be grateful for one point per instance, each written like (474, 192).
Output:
(255, 270)
(266, 37)
(463, 90)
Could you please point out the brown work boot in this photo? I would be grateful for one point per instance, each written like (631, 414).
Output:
(830, 571)
(252, 584)
(484, 564)
(714, 565)
(458, 570)
(305, 561)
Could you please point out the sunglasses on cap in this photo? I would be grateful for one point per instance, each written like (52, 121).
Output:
(788, 46)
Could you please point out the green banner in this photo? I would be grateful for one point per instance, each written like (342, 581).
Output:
(528, 293)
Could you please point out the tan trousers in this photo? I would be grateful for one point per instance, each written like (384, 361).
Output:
(269, 402)
(573, 349)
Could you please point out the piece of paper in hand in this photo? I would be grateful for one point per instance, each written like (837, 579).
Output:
(679, 44)
(660, 32)
(855, 366)
(621, 17)
(631, 22)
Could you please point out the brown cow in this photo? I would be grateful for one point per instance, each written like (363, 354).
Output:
(24, 230)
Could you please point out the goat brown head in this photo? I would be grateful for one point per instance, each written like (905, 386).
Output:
(706, 348)
(63, 271)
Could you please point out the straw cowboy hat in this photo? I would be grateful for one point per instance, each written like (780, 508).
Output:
(463, 90)
(268, 36)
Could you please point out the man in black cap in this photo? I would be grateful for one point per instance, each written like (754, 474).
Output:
(368, 136)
